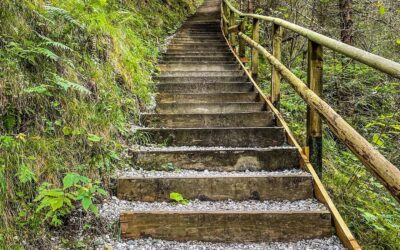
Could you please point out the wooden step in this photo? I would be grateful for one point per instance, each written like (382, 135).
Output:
(228, 137)
(204, 87)
(209, 108)
(202, 79)
(227, 226)
(219, 73)
(245, 186)
(171, 67)
(253, 119)
(213, 159)
(207, 98)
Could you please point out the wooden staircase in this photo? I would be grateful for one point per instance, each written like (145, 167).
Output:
(209, 117)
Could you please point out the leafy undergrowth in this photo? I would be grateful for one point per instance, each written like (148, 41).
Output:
(73, 75)
(368, 102)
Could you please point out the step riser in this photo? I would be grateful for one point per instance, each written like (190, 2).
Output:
(188, 108)
(192, 47)
(203, 88)
(188, 67)
(264, 119)
(234, 73)
(219, 160)
(250, 137)
(227, 226)
(216, 188)
(194, 53)
(207, 98)
(217, 79)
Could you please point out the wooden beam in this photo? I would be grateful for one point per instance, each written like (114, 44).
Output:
(275, 77)
(380, 63)
(342, 230)
(232, 22)
(254, 52)
(242, 43)
(314, 122)
(387, 173)
(233, 29)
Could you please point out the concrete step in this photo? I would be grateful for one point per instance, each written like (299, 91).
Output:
(201, 79)
(227, 137)
(226, 226)
(216, 158)
(253, 119)
(171, 67)
(203, 88)
(228, 73)
(238, 187)
(209, 108)
(207, 98)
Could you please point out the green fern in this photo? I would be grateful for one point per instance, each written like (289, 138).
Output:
(66, 85)
(54, 44)
(59, 12)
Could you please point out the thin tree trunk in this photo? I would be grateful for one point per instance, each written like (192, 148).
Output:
(346, 21)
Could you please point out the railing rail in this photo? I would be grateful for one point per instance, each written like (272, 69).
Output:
(385, 171)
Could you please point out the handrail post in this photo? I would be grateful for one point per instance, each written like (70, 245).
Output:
(254, 52)
(276, 52)
(224, 10)
(242, 42)
(314, 122)
(232, 38)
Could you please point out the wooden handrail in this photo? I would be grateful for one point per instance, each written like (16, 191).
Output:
(385, 171)
(380, 63)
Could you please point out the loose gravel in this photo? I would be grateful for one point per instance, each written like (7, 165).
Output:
(206, 173)
(331, 243)
(111, 209)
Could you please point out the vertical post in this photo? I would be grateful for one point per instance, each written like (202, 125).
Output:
(224, 14)
(314, 122)
(276, 52)
(242, 42)
(232, 38)
(254, 52)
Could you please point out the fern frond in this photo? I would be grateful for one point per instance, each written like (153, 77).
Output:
(54, 44)
(66, 85)
(59, 12)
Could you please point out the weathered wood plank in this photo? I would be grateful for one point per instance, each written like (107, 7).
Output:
(226, 226)
(219, 159)
(248, 187)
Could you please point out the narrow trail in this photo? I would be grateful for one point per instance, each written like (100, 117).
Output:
(218, 146)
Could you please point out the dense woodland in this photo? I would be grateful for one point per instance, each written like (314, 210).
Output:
(367, 99)
(74, 75)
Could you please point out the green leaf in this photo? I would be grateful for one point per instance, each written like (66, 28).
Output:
(70, 179)
(41, 89)
(94, 138)
(178, 198)
(382, 10)
(398, 41)
(25, 174)
(56, 203)
(377, 139)
(67, 130)
(86, 202)
(66, 85)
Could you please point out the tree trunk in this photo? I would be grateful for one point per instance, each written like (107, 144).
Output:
(346, 21)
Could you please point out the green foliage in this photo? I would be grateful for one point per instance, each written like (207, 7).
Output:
(58, 203)
(74, 75)
(177, 197)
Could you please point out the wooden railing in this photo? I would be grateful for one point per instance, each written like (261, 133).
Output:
(233, 24)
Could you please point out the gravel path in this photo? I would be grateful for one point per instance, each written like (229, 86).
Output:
(111, 209)
(332, 243)
(206, 173)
